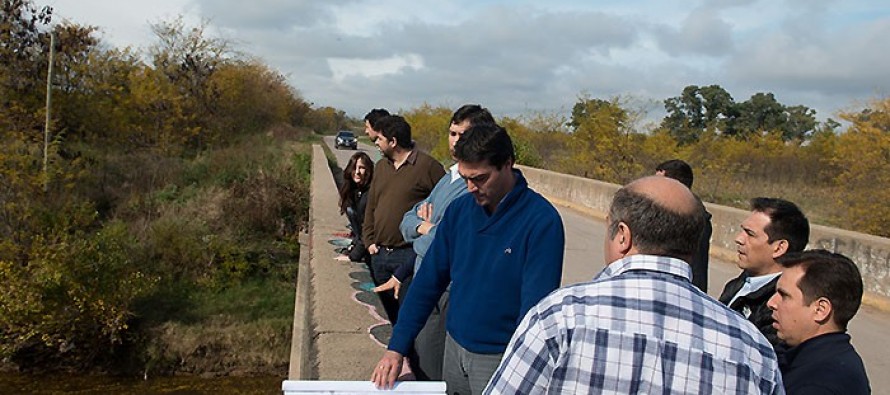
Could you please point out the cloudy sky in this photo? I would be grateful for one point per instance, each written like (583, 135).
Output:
(517, 57)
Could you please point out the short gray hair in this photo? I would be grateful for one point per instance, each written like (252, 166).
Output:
(655, 228)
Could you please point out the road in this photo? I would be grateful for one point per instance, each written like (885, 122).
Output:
(584, 259)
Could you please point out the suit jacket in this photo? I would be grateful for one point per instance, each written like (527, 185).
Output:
(755, 303)
(701, 256)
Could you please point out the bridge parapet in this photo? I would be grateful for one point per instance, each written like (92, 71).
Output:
(870, 253)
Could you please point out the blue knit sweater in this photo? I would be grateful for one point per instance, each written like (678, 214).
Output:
(499, 266)
(450, 187)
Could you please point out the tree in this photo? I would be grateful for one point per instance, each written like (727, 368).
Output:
(326, 119)
(696, 111)
(760, 113)
(251, 98)
(23, 45)
(863, 155)
(23, 48)
(429, 129)
(188, 59)
(800, 123)
(603, 141)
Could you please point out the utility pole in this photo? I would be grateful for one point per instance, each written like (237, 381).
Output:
(49, 98)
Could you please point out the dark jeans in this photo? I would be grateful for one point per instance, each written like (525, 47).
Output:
(383, 264)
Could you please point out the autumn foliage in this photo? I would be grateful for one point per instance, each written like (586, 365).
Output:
(839, 174)
(164, 172)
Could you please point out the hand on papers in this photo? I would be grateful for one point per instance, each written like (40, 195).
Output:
(387, 370)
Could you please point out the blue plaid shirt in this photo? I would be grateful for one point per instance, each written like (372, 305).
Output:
(640, 327)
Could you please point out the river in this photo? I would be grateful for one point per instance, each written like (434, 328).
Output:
(16, 383)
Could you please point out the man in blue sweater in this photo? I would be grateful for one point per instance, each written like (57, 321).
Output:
(501, 249)
(419, 228)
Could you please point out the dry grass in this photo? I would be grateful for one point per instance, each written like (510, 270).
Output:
(224, 345)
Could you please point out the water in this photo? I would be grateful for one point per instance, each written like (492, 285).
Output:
(16, 383)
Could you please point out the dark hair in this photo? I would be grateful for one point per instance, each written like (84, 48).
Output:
(831, 276)
(349, 189)
(786, 222)
(395, 126)
(655, 228)
(485, 142)
(474, 113)
(678, 170)
(375, 115)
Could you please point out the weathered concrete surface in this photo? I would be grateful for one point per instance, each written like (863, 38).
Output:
(300, 368)
(871, 253)
(337, 324)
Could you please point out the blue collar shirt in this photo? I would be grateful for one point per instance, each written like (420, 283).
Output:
(639, 327)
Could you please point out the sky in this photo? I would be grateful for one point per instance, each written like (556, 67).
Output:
(524, 57)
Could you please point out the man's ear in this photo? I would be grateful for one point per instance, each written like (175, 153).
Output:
(624, 238)
(780, 247)
(822, 310)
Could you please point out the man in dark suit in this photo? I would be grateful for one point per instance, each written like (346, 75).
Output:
(774, 227)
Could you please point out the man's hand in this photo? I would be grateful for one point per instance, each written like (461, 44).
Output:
(393, 284)
(387, 370)
(425, 227)
(425, 212)
(372, 249)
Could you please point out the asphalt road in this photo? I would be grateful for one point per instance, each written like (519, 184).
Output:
(584, 259)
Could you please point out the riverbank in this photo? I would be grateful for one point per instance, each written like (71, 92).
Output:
(213, 238)
(56, 384)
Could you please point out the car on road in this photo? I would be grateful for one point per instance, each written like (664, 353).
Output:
(345, 138)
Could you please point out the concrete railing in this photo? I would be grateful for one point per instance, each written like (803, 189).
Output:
(871, 253)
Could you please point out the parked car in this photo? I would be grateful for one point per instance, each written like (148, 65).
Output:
(345, 139)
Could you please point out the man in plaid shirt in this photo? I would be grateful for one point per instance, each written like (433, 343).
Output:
(640, 326)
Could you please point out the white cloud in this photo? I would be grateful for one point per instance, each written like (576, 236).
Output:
(372, 68)
(122, 23)
(516, 55)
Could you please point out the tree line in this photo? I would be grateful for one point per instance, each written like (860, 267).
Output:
(838, 172)
(161, 179)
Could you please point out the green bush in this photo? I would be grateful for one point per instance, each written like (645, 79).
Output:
(73, 297)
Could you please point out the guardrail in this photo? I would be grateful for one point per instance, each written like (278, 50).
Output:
(871, 253)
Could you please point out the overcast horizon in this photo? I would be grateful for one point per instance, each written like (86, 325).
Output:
(519, 57)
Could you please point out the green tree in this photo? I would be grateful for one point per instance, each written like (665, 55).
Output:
(800, 123)
(696, 111)
(763, 113)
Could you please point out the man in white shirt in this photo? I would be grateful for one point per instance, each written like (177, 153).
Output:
(774, 227)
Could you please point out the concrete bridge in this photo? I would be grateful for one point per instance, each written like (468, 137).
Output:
(339, 332)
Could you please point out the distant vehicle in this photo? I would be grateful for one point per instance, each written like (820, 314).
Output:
(345, 139)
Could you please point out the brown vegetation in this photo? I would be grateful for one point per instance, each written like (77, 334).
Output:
(170, 184)
(839, 177)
